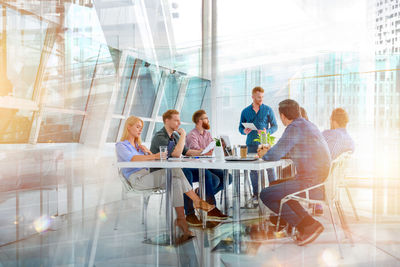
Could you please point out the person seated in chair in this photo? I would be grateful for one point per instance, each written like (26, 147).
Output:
(130, 148)
(174, 138)
(304, 144)
(338, 139)
(199, 138)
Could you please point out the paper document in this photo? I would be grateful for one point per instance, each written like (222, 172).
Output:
(208, 148)
(249, 125)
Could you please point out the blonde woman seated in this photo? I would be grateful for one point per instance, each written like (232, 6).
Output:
(131, 149)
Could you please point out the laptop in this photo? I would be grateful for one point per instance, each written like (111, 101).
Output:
(226, 145)
(236, 158)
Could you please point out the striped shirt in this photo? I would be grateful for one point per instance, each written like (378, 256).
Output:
(198, 141)
(339, 141)
(264, 118)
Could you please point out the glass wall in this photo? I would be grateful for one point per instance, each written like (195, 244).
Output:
(147, 91)
(57, 72)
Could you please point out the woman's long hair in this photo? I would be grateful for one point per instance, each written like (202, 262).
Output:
(129, 122)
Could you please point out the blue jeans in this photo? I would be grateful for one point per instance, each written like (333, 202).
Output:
(192, 175)
(292, 212)
(254, 179)
(218, 173)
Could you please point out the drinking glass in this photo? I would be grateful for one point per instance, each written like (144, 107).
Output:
(163, 152)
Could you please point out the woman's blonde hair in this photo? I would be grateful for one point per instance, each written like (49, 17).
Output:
(129, 122)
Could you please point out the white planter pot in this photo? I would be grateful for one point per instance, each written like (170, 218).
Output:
(219, 153)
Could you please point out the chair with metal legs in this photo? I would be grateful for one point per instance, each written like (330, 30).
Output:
(343, 184)
(145, 194)
(330, 186)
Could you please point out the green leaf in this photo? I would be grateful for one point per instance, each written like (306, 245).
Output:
(217, 141)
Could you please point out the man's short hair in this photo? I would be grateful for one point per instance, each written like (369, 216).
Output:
(340, 116)
(290, 109)
(257, 89)
(196, 116)
(168, 114)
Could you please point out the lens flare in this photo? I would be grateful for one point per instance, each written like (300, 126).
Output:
(42, 224)
(329, 258)
(102, 215)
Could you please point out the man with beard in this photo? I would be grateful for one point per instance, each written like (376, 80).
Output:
(262, 116)
(199, 138)
(174, 137)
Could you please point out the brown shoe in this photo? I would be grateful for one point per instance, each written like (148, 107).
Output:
(203, 205)
(192, 220)
(216, 214)
(212, 224)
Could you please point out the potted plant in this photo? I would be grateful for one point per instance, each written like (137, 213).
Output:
(219, 151)
(265, 138)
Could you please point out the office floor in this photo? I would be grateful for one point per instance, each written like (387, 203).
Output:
(58, 207)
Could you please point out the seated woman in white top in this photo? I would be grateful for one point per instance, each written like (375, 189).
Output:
(131, 149)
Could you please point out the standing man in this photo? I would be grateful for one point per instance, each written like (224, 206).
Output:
(304, 144)
(199, 138)
(174, 138)
(262, 116)
(338, 139)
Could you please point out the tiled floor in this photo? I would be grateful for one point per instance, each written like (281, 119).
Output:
(63, 213)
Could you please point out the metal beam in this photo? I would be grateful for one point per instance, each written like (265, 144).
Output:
(131, 92)
(181, 94)
(157, 104)
(38, 91)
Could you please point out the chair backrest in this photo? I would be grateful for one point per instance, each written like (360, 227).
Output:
(125, 183)
(336, 175)
(127, 186)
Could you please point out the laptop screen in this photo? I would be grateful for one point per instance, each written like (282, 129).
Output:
(226, 144)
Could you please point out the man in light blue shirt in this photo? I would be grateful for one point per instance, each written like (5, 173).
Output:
(304, 144)
(262, 116)
(338, 139)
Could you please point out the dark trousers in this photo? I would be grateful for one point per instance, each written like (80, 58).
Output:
(254, 179)
(292, 212)
(192, 175)
(218, 173)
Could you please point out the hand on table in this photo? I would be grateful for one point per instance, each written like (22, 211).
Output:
(157, 155)
(145, 150)
(209, 153)
(261, 151)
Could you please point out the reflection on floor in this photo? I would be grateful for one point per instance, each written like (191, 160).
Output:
(71, 222)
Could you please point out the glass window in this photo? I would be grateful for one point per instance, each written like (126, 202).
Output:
(113, 130)
(79, 61)
(145, 129)
(171, 92)
(15, 125)
(146, 91)
(187, 127)
(194, 97)
(126, 80)
(25, 39)
(60, 128)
